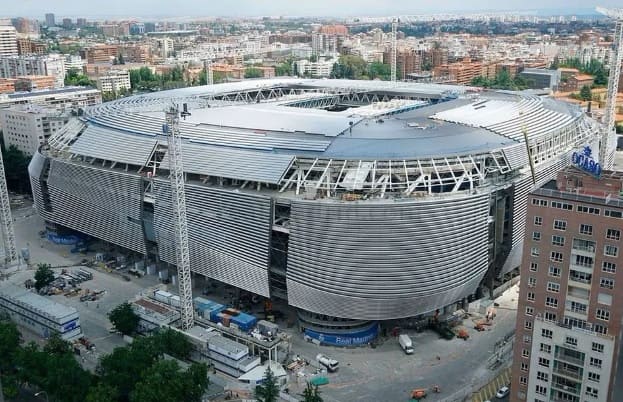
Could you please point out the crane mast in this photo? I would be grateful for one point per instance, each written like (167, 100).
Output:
(607, 144)
(178, 197)
(394, 49)
(6, 220)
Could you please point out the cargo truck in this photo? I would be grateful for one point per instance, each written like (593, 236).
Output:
(330, 364)
(405, 343)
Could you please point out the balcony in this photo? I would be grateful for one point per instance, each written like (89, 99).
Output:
(574, 375)
(578, 292)
(574, 390)
(569, 359)
(580, 282)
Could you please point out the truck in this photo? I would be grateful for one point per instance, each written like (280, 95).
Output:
(406, 344)
(330, 364)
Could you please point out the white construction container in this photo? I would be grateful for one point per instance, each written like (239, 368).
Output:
(162, 296)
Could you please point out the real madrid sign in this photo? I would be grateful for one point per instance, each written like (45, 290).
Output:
(584, 160)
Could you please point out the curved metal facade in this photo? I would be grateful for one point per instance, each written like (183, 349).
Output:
(387, 259)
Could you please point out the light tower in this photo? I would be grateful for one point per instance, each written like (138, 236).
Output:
(394, 49)
(178, 196)
(608, 138)
(6, 220)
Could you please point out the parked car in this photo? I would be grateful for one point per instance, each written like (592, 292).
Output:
(502, 392)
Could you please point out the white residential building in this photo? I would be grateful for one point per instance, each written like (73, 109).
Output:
(114, 81)
(29, 126)
(16, 66)
(8, 41)
(74, 62)
(316, 69)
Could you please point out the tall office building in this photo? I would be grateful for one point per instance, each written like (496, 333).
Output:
(50, 20)
(8, 41)
(568, 327)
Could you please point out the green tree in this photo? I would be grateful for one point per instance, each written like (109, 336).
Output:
(350, 67)
(65, 379)
(74, 77)
(481, 81)
(102, 393)
(619, 128)
(252, 72)
(284, 68)
(379, 70)
(16, 169)
(585, 93)
(124, 319)
(268, 390)
(9, 349)
(164, 381)
(173, 343)
(43, 276)
(311, 393)
(57, 346)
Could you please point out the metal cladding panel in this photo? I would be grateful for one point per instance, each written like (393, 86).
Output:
(104, 143)
(101, 203)
(229, 234)
(234, 164)
(516, 156)
(386, 260)
(35, 169)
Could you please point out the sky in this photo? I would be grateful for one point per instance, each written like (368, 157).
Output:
(328, 8)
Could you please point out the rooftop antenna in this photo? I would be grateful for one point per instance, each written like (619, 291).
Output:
(608, 137)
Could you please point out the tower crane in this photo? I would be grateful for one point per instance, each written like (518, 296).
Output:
(6, 220)
(207, 64)
(608, 138)
(178, 195)
(395, 22)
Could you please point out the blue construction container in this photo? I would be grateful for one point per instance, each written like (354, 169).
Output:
(214, 312)
(244, 321)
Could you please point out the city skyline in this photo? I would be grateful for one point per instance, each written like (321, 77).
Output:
(323, 8)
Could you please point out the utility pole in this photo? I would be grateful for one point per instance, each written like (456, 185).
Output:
(608, 137)
(6, 220)
(178, 196)
(394, 49)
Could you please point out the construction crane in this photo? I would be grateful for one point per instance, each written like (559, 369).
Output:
(178, 195)
(607, 144)
(207, 65)
(6, 220)
(394, 48)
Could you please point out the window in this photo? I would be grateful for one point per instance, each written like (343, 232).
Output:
(562, 205)
(551, 302)
(549, 316)
(588, 210)
(586, 229)
(542, 376)
(547, 333)
(530, 296)
(523, 380)
(527, 339)
(571, 341)
(525, 353)
(613, 214)
(555, 256)
(603, 298)
(534, 267)
(609, 267)
(553, 287)
(529, 310)
(606, 283)
(545, 348)
(597, 347)
(554, 272)
(524, 366)
(595, 362)
(539, 202)
(536, 236)
(613, 234)
(543, 362)
(584, 261)
(580, 276)
(560, 225)
(602, 314)
(534, 251)
(538, 221)
(528, 324)
(591, 391)
(600, 329)
(611, 251)
(576, 307)
(531, 282)
(541, 390)
(558, 240)
(593, 377)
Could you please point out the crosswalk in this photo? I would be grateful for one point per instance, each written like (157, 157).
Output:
(488, 391)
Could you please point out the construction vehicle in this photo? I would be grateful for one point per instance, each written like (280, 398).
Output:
(406, 344)
(330, 364)
(418, 394)
(462, 334)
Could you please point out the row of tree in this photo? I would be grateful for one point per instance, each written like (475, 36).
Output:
(502, 80)
(16, 169)
(592, 67)
(135, 373)
(356, 68)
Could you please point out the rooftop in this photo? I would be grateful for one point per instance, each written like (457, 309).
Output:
(35, 302)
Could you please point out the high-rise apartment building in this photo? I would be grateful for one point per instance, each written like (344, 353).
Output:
(52, 64)
(408, 61)
(50, 20)
(114, 81)
(568, 331)
(29, 126)
(8, 41)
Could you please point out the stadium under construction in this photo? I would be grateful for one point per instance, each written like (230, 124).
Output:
(355, 201)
